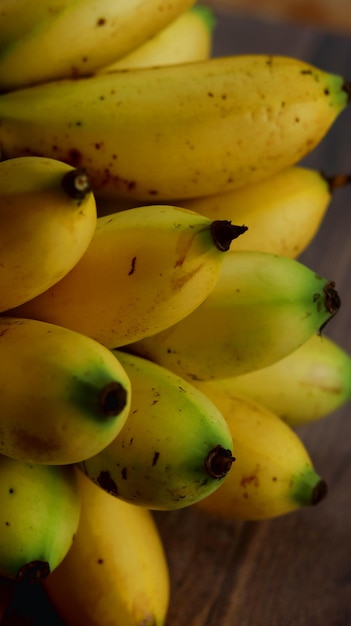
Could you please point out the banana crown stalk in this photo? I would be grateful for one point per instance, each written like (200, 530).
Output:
(39, 515)
(48, 218)
(274, 472)
(63, 396)
(203, 128)
(175, 447)
(262, 307)
(144, 269)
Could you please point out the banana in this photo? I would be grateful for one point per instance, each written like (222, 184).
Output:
(48, 218)
(116, 573)
(308, 384)
(273, 475)
(174, 449)
(188, 38)
(262, 307)
(144, 270)
(59, 39)
(39, 515)
(283, 212)
(178, 131)
(63, 396)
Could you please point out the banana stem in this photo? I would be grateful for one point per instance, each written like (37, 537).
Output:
(337, 181)
(113, 399)
(347, 87)
(319, 492)
(223, 233)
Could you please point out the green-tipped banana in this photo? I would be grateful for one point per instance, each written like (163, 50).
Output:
(175, 447)
(63, 396)
(274, 473)
(262, 307)
(39, 515)
(49, 39)
(180, 131)
(47, 219)
(308, 384)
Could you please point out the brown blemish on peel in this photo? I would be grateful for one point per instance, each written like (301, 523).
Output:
(132, 266)
(106, 483)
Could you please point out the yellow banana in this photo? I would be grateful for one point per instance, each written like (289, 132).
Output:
(39, 515)
(144, 270)
(63, 396)
(308, 384)
(178, 131)
(262, 307)
(53, 39)
(188, 38)
(283, 212)
(174, 449)
(47, 217)
(116, 572)
(273, 473)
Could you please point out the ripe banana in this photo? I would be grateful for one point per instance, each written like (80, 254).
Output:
(188, 38)
(283, 212)
(178, 131)
(39, 515)
(262, 307)
(59, 39)
(174, 449)
(116, 573)
(63, 396)
(273, 473)
(47, 217)
(308, 384)
(144, 270)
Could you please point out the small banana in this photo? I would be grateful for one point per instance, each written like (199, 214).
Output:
(53, 39)
(187, 38)
(63, 396)
(273, 475)
(116, 571)
(39, 515)
(177, 131)
(262, 307)
(48, 218)
(308, 384)
(174, 449)
(144, 270)
(283, 212)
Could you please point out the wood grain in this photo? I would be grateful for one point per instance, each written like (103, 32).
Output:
(294, 570)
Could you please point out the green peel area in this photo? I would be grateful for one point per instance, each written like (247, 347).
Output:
(309, 488)
(99, 403)
(206, 14)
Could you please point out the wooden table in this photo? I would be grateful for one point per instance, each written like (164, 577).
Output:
(294, 570)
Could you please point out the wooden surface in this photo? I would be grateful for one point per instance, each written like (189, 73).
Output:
(329, 15)
(294, 570)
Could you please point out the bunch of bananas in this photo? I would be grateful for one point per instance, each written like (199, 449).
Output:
(153, 312)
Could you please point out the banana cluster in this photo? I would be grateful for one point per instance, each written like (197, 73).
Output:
(160, 338)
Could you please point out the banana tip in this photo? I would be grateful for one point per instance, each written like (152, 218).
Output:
(113, 399)
(347, 89)
(76, 184)
(218, 462)
(223, 232)
(319, 492)
(33, 572)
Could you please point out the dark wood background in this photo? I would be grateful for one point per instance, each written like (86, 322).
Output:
(294, 570)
